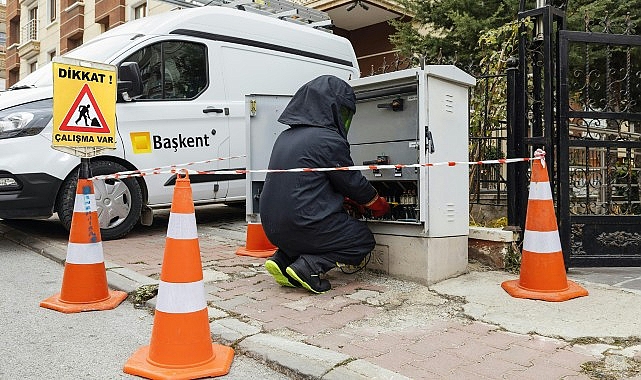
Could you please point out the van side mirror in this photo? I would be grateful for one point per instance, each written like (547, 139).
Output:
(129, 82)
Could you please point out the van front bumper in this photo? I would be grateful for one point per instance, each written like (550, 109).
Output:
(26, 196)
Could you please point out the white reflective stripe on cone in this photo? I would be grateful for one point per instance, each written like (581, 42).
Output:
(540, 191)
(85, 253)
(541, 242)
(85, 203)
(181, 297)
(182, 226)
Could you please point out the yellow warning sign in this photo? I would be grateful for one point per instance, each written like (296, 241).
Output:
(84, 105)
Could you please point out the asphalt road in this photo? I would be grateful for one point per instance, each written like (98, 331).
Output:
(38, 343)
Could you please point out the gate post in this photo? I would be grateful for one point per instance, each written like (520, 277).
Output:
(515, 148)
(534, 118)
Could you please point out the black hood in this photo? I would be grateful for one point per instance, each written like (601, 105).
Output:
(318, 103)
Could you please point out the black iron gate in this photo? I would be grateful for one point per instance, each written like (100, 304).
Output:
(578, 96)
(600, 147)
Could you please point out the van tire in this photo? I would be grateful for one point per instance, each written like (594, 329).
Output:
(129, 199)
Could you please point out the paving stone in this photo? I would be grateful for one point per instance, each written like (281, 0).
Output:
(569, 359)
(493, 368)
(595, 350)
(396, 359)
(230, 330)
(546, 369)
(361, 369)
(543, 344)
(215, 313)
(443, 364)
(363, 351)
(517, 354)
(210, 275)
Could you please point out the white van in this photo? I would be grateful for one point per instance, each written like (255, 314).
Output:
(194, 68)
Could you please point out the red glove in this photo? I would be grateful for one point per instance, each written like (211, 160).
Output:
(378, 206)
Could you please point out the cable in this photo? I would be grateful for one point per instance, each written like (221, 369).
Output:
(358, 267)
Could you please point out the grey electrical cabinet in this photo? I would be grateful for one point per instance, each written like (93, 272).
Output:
(411, 117)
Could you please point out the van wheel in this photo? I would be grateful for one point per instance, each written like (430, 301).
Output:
(118, 201)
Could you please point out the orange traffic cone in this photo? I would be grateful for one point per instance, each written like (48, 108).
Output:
(257, 244)
(542, 275)
(181, 345)
(84, 282)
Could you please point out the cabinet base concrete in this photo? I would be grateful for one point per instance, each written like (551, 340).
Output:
(426, 260)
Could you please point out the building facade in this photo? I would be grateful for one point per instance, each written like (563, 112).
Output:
(38, 30)
(366, 25)
(3, 38)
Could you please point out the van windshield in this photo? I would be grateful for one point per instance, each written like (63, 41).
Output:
(96, 50)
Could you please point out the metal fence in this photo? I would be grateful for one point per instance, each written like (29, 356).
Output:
(488, 141)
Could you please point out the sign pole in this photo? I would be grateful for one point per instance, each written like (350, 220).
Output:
(85, 170)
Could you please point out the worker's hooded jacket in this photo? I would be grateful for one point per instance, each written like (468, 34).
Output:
(309, 205)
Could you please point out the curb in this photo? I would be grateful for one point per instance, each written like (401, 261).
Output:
(293, 358)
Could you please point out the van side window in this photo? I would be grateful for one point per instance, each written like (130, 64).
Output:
(172, 70)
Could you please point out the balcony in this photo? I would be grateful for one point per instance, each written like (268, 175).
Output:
(29, 46)
(12, 59)
(12, 10)
(111, 13)
(72, 21)
(3, 11)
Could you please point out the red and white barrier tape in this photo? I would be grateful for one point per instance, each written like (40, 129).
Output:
(174, 170)
(161, 169)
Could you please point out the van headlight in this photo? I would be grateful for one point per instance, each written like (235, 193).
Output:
(26, 119)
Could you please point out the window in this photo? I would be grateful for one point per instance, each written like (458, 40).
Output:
(73, 43)
(52, 10)
(140, 11)
(14, 31)
(172, 69)
(33, 66)
(30, 31)
(52, 54)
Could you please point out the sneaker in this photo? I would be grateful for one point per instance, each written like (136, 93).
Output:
(300, 271)
(276, 267)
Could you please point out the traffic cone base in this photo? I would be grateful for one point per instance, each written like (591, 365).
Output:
(257, 243)
(54, 302)
(220, 364)
(573, 290)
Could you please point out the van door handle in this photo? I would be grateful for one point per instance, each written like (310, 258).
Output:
(212, 109)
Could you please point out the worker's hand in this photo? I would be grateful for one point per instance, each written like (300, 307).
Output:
(378, 206)
(355, 207)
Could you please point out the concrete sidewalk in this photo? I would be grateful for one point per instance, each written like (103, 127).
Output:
(372, 326)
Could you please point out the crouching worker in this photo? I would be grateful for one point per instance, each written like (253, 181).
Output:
(302, 212)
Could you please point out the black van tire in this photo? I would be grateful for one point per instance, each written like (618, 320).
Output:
(130, 200)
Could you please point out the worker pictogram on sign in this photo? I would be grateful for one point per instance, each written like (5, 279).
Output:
(85, 115)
